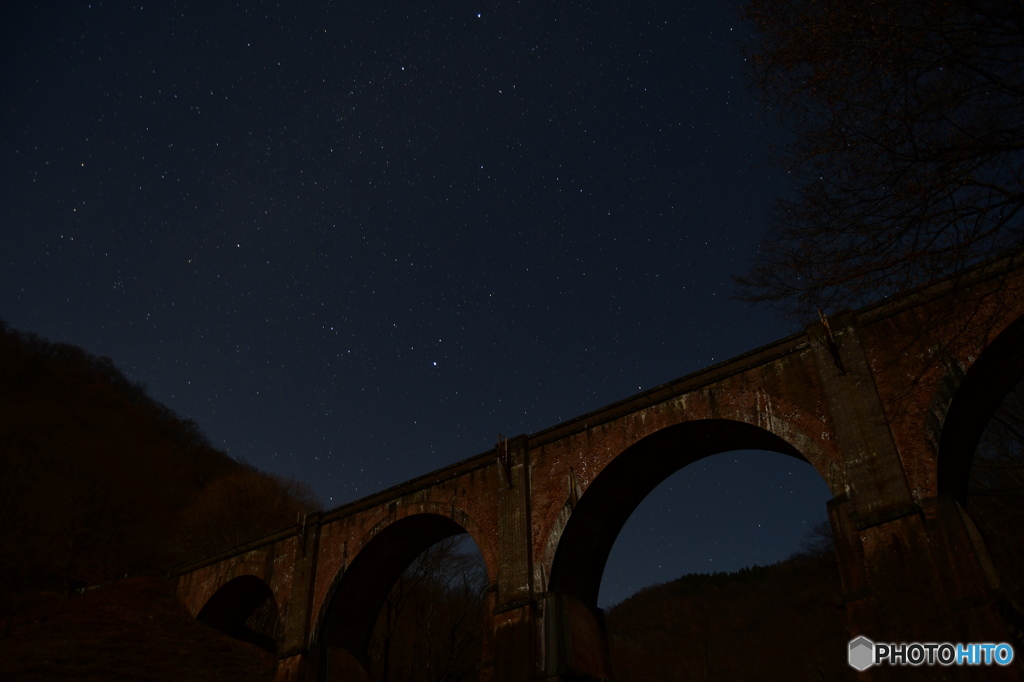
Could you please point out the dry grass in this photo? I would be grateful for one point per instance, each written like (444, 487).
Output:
(133, 629)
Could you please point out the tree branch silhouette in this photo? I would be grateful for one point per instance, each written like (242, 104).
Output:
(907, 141)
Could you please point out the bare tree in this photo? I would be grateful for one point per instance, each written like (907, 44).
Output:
(240, 507)
(907, 151)
(818, 540)
(429, 629)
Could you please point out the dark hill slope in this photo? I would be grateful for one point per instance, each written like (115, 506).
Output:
(101, 481)
(778, 622)
(132, 629)
(103, 486)
(96, 472)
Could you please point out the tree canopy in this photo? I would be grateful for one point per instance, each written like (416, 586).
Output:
(907, 152)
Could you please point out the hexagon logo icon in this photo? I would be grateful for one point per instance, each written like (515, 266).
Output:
(862, 653)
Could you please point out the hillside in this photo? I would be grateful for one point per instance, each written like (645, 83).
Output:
(103, 481)
(105, 487)
(779, 622)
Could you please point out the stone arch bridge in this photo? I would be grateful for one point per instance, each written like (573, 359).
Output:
(886, 403)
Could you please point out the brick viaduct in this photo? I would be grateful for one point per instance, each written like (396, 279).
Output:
(886, 403)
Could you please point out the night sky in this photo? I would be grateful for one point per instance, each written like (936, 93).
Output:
(357, 241)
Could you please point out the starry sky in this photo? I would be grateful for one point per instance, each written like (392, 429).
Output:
(356, 241)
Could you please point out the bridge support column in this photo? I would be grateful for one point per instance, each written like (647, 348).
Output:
(918, 578)
(514, 644)
(910, 571)
(291, 668)
(575, 641)
(487, 672)
(515, 628)
(964, 569)
(293, 663)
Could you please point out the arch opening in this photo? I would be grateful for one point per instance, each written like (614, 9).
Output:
(984, 386)
(431, 624)
(724, 513)
(981, 463)
(704, 617)
(244, 608)
(604, 508)
(421, 576)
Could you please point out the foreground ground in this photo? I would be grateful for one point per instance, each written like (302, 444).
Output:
(131, 629)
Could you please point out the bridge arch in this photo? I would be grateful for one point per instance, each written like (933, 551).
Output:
(231, 609)
(349, 612)
(998, 368)
(588, 533)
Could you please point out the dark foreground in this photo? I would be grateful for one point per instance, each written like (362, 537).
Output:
(132, 629)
